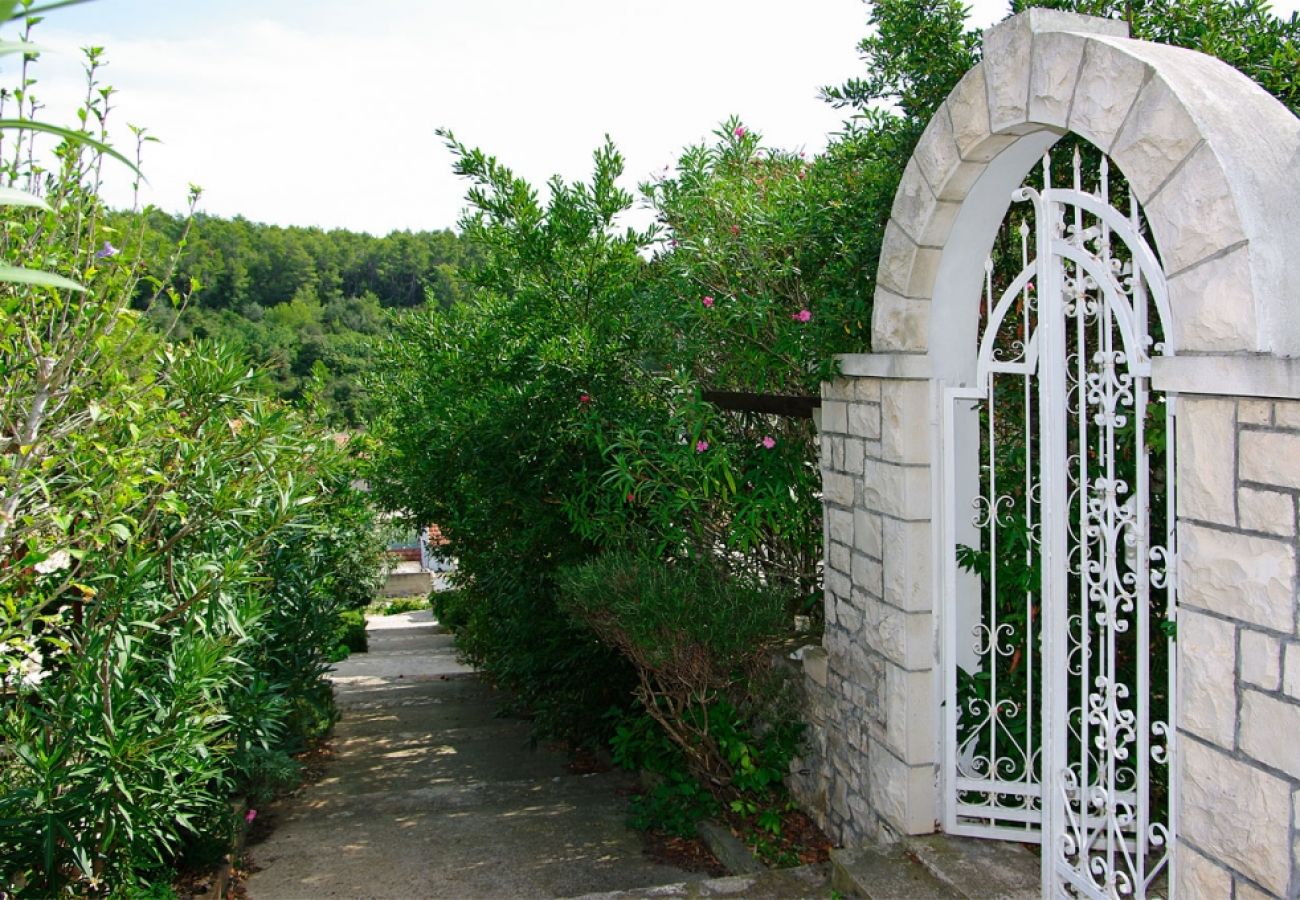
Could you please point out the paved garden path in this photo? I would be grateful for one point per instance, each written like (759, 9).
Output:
(431, 794)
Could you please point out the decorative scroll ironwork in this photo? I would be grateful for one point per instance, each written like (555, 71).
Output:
(1059, 579)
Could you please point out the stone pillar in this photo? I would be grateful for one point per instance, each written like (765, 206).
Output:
(1238, 711)
(872, 767)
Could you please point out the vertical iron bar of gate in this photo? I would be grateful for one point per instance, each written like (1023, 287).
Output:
(1142, 357)
(1027, 337)
(1082, 488)
(1055, 510)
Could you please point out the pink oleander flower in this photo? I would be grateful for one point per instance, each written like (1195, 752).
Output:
(707, 300)
(740, 131)
(701, 446)
(250, 816)
(769, 442)
(802, 315)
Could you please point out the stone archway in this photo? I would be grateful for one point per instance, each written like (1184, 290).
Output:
(1215, 162)
(1211, 157)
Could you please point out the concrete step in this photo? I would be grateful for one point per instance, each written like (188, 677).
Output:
(449, 797)
(554, 838)
(938, 867)
(774, 884)
(415, 706)
(469, 763)
(885, 873)
(983, 869)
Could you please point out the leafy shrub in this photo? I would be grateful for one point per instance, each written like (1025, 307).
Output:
(189, 665)
(675, 805)
(683, 478)
(554, 668)
(352, 631)
(171, 544)
(481, 428)
(759, 751)
(699, 640)
(404, 605)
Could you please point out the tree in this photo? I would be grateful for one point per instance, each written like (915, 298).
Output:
(482, 429)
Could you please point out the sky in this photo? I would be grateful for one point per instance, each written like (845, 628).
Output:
(323, 112)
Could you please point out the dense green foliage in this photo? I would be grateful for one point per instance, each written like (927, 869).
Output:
(484, 435)
(699, 640)
(306, 304)
(351, 634)
(175, 550)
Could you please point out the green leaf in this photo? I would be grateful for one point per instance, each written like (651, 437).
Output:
(14, 197)
(35, 10)
(76, 137)
(16, 275)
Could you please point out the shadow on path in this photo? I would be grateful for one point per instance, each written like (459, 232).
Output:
(431, 794)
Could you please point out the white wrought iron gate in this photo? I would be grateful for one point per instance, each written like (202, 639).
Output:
(1060, 592)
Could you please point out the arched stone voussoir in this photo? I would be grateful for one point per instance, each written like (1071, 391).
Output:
(1108, 85)
(924, 217)
(1239, 183)
(1194, 216)
(1157, 137)
(1213, 305)
(897, 257)
(905, 268)
(899, 324)
(1010, 51)
(968, 109)
(948, 175)
(1053, 73)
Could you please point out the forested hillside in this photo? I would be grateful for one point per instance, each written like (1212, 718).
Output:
(302, 302)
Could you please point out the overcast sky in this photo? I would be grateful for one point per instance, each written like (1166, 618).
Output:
(322, 112)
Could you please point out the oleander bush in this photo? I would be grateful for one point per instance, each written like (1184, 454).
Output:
(483, 428)
(174, 550)
(352, 631)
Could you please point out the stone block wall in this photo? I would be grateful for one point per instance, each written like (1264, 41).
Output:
(870, 770)
(1238, 647)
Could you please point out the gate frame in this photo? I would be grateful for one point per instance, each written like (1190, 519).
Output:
(1045, 360)
(1212, 159)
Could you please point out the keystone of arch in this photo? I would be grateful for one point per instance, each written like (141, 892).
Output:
(1213, 159)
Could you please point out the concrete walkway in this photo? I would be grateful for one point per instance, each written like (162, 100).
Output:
(431, 794)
